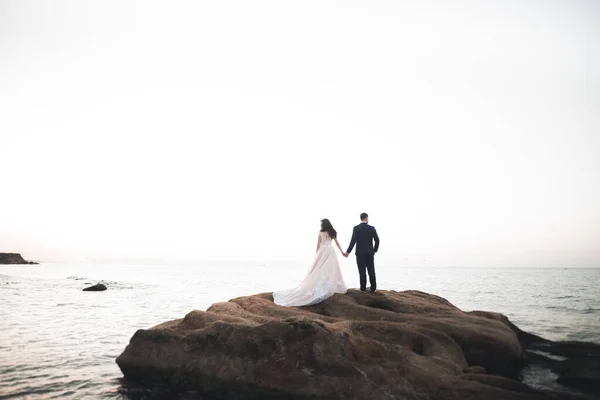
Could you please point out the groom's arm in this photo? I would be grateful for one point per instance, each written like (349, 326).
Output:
(376, 237)
(352, 241)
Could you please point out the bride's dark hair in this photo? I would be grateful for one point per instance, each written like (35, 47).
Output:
(327, 227)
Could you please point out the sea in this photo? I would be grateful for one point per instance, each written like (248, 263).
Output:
(58, 342)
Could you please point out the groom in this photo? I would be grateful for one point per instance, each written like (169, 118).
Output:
(363, 236)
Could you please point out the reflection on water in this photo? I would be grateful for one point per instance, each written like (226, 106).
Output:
(59, 342)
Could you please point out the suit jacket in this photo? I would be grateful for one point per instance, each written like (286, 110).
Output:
(363, 236)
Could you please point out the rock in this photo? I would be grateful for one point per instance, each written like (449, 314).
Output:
(526, 339)
(13, 258)
(577, 364)
(475, 369)
(98, 287)
(581, 373)
(392, 345)
(533, 357)
(569, 348)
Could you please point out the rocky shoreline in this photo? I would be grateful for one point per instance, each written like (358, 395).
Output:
(14, 258)
(391, 345)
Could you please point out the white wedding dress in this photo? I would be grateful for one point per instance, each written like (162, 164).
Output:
(323, 280)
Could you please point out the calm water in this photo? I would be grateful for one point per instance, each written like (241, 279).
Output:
(57, 342)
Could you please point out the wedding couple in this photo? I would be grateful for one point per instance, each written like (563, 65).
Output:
(325, 277)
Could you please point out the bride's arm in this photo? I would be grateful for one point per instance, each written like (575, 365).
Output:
(318, 242)
(338, 245)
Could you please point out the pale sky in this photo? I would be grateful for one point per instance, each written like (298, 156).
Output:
(225, 130)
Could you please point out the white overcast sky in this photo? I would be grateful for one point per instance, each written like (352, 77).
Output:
(225, 130)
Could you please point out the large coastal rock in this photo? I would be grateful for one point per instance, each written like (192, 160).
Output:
(391, 345)
(13, 258)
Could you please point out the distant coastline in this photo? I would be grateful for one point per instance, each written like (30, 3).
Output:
(14, 258)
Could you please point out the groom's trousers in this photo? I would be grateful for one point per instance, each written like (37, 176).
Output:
(366, 263)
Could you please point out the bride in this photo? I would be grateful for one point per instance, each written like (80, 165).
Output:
(324, 278)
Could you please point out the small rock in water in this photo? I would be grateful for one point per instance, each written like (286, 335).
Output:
(95, 288)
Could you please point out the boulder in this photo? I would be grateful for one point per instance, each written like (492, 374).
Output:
(581, 373)
(389, 345)
(577, 364)
(98, 287)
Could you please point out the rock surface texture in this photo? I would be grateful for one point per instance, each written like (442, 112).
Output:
(390, 345)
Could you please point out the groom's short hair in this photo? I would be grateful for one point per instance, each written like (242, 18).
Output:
(364, 216)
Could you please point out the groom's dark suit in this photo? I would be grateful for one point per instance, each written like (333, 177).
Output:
(363, 236)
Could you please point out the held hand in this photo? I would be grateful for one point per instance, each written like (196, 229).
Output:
(345, 255)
